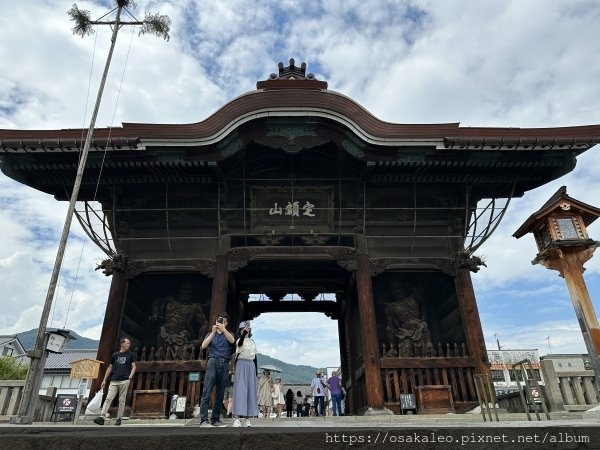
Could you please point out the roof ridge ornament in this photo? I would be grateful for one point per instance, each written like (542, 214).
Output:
(291, 77)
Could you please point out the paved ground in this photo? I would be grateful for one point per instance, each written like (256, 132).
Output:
(444, 431)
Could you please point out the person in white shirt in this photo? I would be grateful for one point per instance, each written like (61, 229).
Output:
(319, 389)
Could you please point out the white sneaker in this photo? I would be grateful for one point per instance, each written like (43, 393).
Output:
(248, 424)
(237, 423)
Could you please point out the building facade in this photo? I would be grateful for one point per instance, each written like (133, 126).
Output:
(294, 188)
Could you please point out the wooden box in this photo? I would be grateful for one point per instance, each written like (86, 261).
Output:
(149, 404)
(435, 399)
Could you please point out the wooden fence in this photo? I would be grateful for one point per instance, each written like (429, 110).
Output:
(447, 364)
(11, 392)
(157, 369)
(10, 397)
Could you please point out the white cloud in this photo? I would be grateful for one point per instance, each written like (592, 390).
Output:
(305, 338)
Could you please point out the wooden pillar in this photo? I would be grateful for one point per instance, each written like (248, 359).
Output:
(368, 324)
(471, 321)
(571, 263)
(218, 300)
(344, 336)
(347, 345)
(109, 336)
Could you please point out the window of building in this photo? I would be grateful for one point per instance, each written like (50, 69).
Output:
(46, 381)
(497, 375)
(65, 381)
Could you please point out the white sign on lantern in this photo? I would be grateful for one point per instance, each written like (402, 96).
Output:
(56, 342)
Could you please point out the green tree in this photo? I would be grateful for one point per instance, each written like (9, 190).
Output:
(12, 369)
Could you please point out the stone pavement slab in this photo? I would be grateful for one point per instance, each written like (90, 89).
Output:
(441, 431)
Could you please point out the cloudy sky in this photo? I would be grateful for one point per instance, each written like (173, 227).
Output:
(482, 63)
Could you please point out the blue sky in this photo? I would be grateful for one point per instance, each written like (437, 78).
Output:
(483, 63)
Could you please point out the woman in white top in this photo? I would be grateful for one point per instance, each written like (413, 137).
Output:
(278, 397)
(245, 402)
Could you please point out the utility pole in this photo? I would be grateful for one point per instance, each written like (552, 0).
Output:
(549, 346)
(158, 25)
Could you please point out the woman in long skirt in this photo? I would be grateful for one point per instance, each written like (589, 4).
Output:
(245, 402)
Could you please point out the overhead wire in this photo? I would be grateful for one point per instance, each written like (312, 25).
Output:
(103, 156)
(87, 101)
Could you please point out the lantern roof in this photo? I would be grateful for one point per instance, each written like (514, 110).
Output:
(559, 202)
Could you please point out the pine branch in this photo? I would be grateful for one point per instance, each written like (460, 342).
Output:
(157, 24)
(83, 22)
(126, 4)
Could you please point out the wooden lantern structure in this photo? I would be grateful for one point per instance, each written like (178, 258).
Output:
(559, 228)
(56, 340)
(293, 188)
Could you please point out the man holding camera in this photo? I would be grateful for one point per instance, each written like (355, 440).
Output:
(218, 342)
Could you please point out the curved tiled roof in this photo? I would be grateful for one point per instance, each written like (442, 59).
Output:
(61, 361)
(321, 104)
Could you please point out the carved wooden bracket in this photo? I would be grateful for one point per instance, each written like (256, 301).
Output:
(465, 260)
(115, 263)
(205, 266)
(233, 265)
(239, 257)
(555, 260)
(378, 266)
(349, 264)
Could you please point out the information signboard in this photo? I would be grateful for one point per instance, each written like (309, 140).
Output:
(65, 403)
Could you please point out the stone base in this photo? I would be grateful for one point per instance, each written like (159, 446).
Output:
(593, 413)
(25, 420)
(378, 412)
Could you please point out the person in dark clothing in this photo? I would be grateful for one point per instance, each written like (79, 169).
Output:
(120, 371)
(299, 404)
(218, 342)
(289, 402)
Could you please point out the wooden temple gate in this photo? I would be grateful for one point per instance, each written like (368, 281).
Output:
(293, 188)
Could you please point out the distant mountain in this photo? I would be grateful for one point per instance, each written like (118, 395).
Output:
(27, 339)
(292, 374)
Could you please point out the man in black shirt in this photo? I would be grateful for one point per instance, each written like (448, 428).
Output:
(122, 369)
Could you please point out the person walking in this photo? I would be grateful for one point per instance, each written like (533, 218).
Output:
(217, 369)
(120, 372)
(334, 383)
(245, 402)
(318, 387)
(265, 393)
(227, 400)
